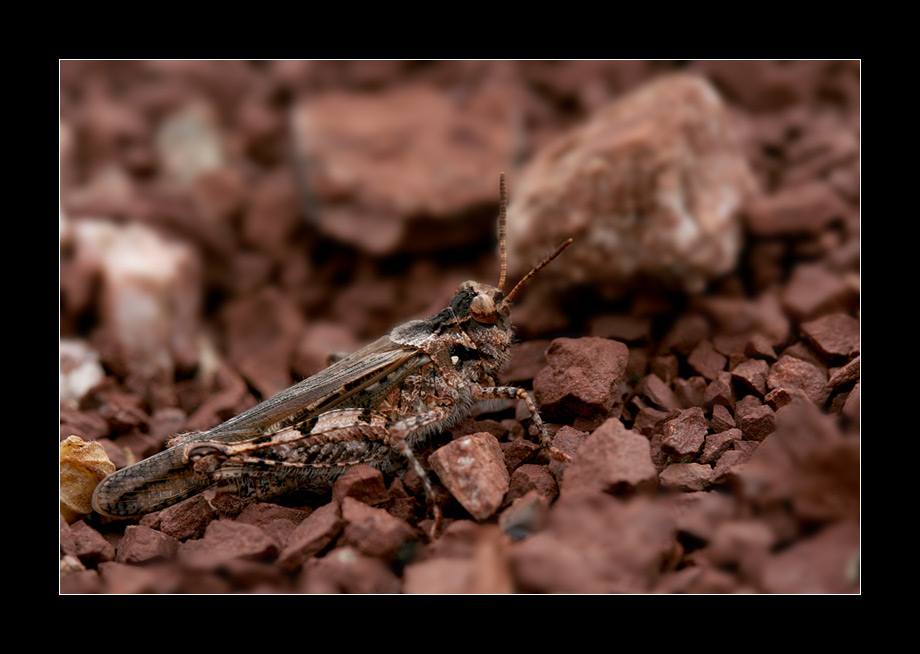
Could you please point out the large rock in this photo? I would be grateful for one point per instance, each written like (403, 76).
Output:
(401, 169)
(650, 187)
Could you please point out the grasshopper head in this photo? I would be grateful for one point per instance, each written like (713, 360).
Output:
(484, 311)
(474, 331)
(483, 308)
(487, 305)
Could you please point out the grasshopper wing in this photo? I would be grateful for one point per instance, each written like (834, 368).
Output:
(167, 478)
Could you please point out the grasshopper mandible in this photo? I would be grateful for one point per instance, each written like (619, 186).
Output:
(370, 408)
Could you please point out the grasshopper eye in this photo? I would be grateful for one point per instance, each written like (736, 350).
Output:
(482, 308)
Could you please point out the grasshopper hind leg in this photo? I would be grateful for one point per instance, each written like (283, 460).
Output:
(253, 479)
(149, 485)
(290, 460)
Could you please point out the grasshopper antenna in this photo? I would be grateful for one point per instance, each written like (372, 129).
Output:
(502, 217)
(537, 269)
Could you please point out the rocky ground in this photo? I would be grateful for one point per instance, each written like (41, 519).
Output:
(225, 226)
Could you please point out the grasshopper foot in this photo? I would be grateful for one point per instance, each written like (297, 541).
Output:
(437, 523)
(559, 455)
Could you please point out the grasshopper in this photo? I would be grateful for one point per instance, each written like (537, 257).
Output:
(370, 407)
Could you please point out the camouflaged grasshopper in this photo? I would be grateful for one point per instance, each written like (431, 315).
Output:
(370, 408)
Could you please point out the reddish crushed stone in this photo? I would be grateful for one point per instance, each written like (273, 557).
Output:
(714, 437)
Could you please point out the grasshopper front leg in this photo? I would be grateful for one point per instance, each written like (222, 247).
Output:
(537, 428)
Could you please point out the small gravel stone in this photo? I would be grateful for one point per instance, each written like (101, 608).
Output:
(845, 374)
(142, 544)
(690, 392)
(778, 397)
(311, 536)
(835, 336)
(759, 346)
(530, 477)
(755, 420)
(791, 373)
(729, 463)
(373, 531)
(187, 519)
(718, 443)
(225, 540)
(720, 391)
(519, 451)
(581, 377)
(751, 375)
(721, 418)
(685, 476)
(90, 546)
(684, 435)
(706, 361)
(648, 419)
(473, 469)
(659, 393)
(363, 483)
(613, 457)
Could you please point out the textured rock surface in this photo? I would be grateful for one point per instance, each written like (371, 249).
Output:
(611, 458)
(311, 536)
(408, 174)
(650, 187)
(473, 470)
(142, 545)
(599, 545)
(226, 541)
(686, 477)
(835, 336)
(373, 531)
(684, 435)
(791, 373)
(581, 377)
